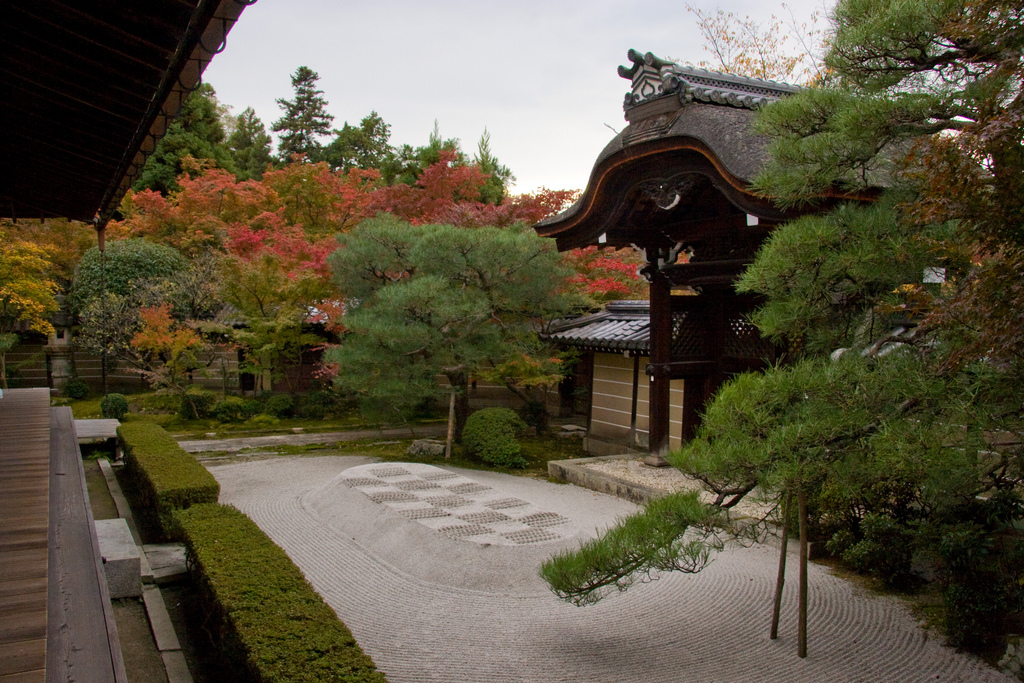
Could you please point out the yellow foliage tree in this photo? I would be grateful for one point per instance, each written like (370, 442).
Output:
(774, 49)
(26, 295)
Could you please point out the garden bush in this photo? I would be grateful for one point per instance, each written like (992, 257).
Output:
(76, 388)
(228, 410)
(196, 404)
(114, 406)
(311, 411)
(157, 402)
(251, 408)
(983, 570)
(268, 620)
(162, 477)
(492, 434)
(317, 404)
(280, 405)
(262, 421)
(885, 551)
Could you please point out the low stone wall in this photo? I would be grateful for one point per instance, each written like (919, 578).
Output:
(575, 472)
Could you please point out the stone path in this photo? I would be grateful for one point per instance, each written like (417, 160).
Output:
(430, 605)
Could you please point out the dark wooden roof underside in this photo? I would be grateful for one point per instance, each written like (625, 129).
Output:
(705, 151)
(88, 89)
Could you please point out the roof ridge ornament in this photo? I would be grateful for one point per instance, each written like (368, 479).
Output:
(654, 78)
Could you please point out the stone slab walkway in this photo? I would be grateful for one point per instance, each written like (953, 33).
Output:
(434, 606)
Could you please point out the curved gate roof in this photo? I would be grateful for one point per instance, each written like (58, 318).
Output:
(688, 154)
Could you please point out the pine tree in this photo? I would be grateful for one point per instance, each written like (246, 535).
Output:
(409, 163)
(305, 118)
(891, 427)
(496, 189)
(365, 147)
(429, 300)
(250, 146)
(197, 132)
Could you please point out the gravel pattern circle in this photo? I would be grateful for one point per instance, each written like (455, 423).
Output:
(428, 607)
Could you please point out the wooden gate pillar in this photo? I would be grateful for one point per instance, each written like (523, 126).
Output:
(661, 356)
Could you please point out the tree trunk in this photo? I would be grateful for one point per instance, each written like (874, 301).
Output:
(451, 427)
(801, 643)
(459, 381)
(542, 417)
(3, 370)
(781, 580)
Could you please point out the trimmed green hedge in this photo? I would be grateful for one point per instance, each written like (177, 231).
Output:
(492, 433)
(266, 617)
(162, 478)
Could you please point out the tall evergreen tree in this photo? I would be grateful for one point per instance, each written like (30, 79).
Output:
(409, 162)
(197, 132)
(305, 118)
(365, 146)
(496, 188)
(249, 143)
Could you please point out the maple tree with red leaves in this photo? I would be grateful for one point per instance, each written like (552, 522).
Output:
(449, 193)
(197, 217)
(603, 275)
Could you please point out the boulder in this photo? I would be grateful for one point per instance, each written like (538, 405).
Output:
(426, 447)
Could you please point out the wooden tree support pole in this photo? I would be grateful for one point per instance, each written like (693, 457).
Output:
(781, 580)
(801, 643)
(451, 427)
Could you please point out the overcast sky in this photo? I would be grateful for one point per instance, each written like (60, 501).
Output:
(539, 75)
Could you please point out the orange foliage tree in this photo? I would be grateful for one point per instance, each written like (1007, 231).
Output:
(211, 202)
(168, 351)
(774, 49)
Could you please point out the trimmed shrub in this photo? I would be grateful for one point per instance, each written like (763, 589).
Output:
(122, 270)
(317, 404)
(492, 434)
(162, 478)
(196, 404)
(228, 410)
(268, 620)
(280, 405)
(262, 421)
(114, 406)
(311, 411)
(76, 388)
(251, 408)
(160, 402)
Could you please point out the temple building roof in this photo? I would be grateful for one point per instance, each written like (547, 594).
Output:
(87, 90)
(689, 144)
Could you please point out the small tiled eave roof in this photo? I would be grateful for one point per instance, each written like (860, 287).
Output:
(622, 326)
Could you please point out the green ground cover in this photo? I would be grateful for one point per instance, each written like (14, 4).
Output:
(162, 410)
(537, 451)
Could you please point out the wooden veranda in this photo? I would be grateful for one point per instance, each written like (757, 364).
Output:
(88, 90)
(56, 620)
(675, 184)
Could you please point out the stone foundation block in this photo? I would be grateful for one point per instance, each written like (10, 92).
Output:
(120, 558)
